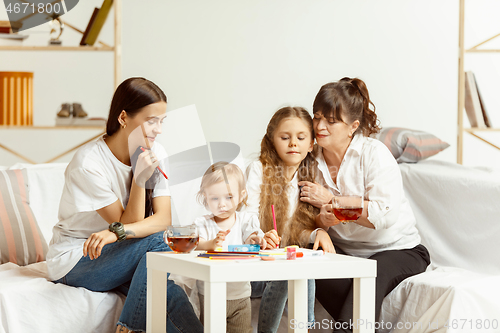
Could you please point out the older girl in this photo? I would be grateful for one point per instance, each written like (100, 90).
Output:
(115, 207)
(285, 159)
(351, 163)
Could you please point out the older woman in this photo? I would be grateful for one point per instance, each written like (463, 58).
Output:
(351, 163)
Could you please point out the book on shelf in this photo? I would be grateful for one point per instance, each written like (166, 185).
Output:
(486, 117)
(75, 121)
(86, 32)
(8, 27)
(472, 102)
(98, 23)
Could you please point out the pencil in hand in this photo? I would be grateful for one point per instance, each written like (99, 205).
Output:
(159, 169)
(274, 223)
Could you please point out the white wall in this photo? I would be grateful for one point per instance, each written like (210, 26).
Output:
(239, 61)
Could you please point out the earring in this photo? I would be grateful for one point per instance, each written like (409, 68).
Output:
(124, 125)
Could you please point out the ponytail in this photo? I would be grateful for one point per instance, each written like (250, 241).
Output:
(369, 122)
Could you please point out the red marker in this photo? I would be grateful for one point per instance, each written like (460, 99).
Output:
(274, 218)
(163, 173)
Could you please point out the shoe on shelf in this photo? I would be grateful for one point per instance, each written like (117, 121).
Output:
(78, 112)
(65, 110)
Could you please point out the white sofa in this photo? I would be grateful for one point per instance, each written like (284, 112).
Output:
(457, 216)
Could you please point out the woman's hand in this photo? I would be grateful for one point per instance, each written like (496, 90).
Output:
(146, 165)
(255, 239)
(323, 240)
(326, 217)
(272, 239)
(94, 244)
(220, 238)
(314, 194)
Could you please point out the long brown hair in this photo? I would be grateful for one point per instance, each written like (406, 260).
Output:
(131, 96)
(274, 184)
(348, 98)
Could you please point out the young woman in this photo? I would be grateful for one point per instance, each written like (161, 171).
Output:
(115, 207)
(351, 163)
(285, 159)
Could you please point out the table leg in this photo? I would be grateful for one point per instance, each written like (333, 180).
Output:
(297, 306)
(156, 306)
(215, 307)
(364, 305)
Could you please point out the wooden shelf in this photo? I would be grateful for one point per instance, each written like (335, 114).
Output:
(56, 48)
(19, 127)
(483, 51)
(475, 129)
(116, 49)
(461, 86)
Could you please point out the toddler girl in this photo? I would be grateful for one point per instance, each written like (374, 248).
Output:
(222, 191)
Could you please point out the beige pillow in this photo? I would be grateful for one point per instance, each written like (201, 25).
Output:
(410, 146)
(21, 240)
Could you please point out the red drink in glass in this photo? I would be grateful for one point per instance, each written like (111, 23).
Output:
(183, 243)
(347, 208)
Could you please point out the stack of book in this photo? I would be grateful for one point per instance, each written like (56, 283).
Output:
(474, 104)
(8, 33)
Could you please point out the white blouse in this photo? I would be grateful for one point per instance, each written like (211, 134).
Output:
(369, 168)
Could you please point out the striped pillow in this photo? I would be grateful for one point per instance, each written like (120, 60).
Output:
(21, 240)
(410, 146)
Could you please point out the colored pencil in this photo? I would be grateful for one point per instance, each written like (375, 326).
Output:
(274, 218)
(163, 173)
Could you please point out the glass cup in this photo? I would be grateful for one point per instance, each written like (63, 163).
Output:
(181, 239)
(347, 208)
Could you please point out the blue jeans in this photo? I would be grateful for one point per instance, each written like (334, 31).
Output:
(122, 267)
(274, 296)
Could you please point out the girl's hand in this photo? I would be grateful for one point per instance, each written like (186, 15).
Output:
(146, 165)
(326, 217)
(323, 240)
(314, 194)
(272, 239)
(94, 244)
(255, 239)
(220, 238)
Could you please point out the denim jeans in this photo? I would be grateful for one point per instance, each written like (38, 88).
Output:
(274, 296)
(122, 266)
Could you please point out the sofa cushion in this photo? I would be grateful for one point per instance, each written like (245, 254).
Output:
(21, 240)
(443, 299)
(410, 146)
(46, 182)
(456, 208)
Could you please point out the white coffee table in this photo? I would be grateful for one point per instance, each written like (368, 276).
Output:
(216, 273)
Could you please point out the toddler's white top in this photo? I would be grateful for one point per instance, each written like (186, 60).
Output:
(245, 225)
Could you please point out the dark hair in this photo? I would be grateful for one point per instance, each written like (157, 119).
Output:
(347, 98)
(131, 96)
(274, 185)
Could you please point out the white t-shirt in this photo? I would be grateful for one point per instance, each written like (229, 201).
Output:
(94, 179)
(254, 180)
(369, 167)
(245, 225)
